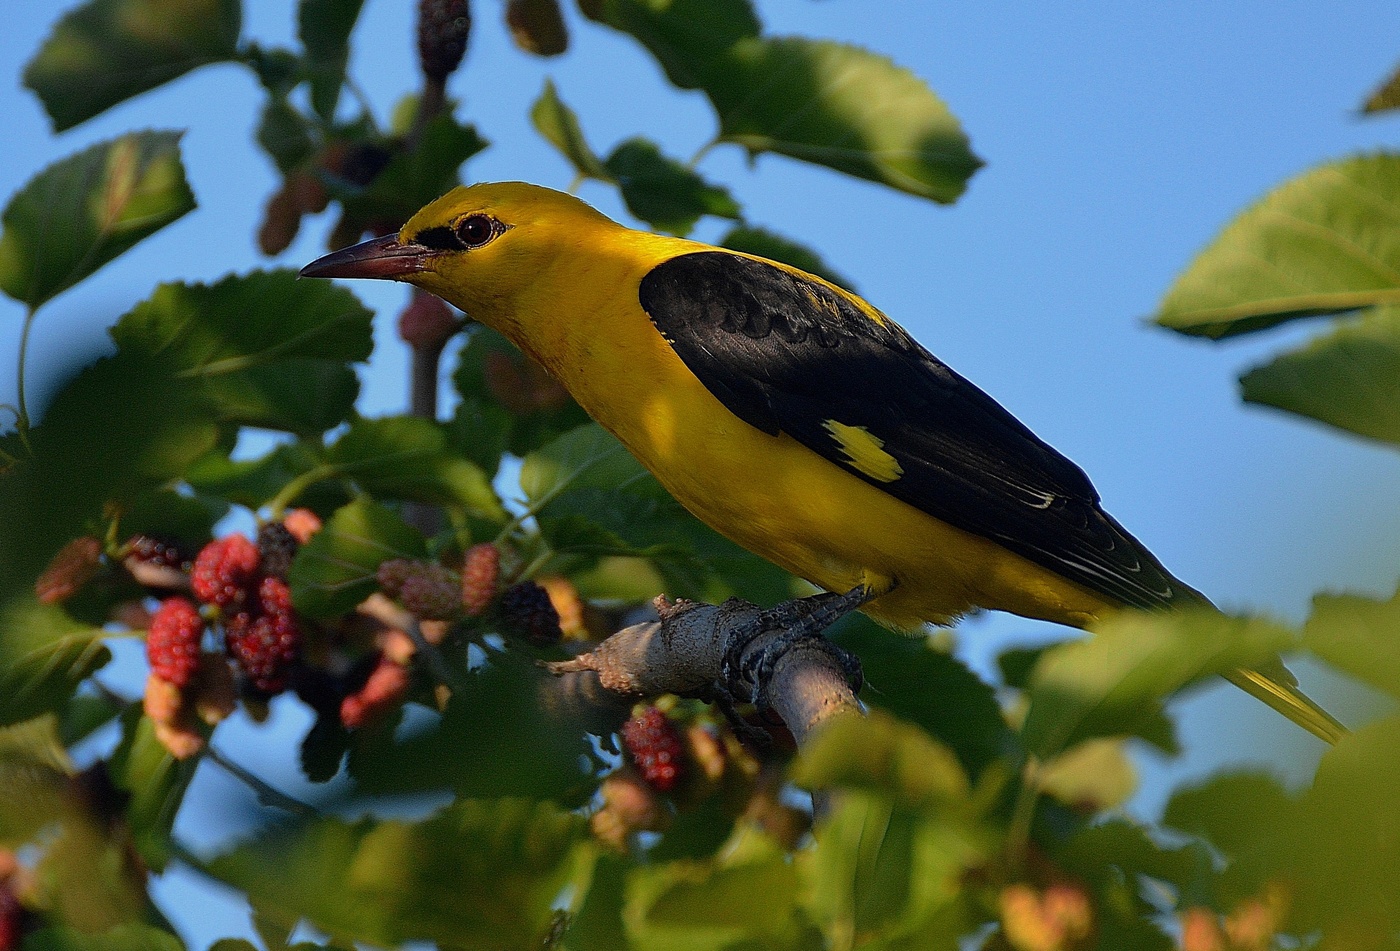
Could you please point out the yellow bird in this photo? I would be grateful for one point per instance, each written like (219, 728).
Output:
(791, 416)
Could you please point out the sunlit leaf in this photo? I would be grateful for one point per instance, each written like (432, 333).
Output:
(85, 210)
(481, 874)
(559, 125)
(269, 350)
(1114, 682)
(663, 192)
(131, 937)
(819, 101)
(407, 457)
(336, 569)
(107, 51)
(1325, 242)
(44, 679)
(1348, 377)
(324, 28)
(881, 754)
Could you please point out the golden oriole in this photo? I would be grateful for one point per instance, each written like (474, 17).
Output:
(791, 416)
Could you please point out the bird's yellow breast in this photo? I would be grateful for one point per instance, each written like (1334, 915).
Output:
(770, 494)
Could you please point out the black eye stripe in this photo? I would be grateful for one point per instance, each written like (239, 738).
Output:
(441, 238)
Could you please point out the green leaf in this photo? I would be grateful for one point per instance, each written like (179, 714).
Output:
(1348, 378)
(336, 569)
(324, 29)
(254, 482)
(407, 457)
(412, 179)
(559, 125)
(597, 925)
(34, 782)
(284, 134)
(107, 51)
(528, 423)
(1091, 776)
(43, 680)
(819, 101)
(930, 688)
(1095, 852)
(87, 209)
(884, 755)
(1357, 635)
(189, 519)
(662, 192)
(505, 718)
(712, 906)
(481, 874)
(1386, 96)
(766, 244)
(130, 937)
(269, 350)
(1323, 243)
(1114, 682)
(1233, 811)
(891, 875)
(155, 782)
(1345, 848)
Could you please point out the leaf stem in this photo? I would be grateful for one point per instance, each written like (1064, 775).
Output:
(268, 795)
(1018, 835)
(22, 409)
(704, 151)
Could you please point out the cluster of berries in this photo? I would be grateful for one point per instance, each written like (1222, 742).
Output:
(676, 759)
(434, 592)
(243, 588)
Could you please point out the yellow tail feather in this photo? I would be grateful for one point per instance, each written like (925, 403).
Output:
(1288, 700)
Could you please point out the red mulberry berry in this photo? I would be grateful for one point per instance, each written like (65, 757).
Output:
(393, 573)
(481, 571)
(172, 643)
(427, 323)
(278, 546)
(432, 592)
(526, 608)
(654, 744)
(226, 571)
(381, 693)
(268, 644)
(443, 26)
(73, 566)
(302, 523)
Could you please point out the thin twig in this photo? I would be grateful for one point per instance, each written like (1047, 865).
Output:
(268, 795)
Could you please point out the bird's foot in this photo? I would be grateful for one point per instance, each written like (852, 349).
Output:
(743, 673)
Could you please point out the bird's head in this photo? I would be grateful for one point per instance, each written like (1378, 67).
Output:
(478, 247)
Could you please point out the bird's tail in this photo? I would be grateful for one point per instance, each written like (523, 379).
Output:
(1279, 689)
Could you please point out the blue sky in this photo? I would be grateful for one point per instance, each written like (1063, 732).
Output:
(1119, 138)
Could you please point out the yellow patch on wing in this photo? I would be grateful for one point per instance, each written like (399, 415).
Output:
(864, 451)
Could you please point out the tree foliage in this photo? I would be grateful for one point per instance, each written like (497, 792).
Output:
(412, 580)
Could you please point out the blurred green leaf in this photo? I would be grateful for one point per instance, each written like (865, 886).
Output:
(1233, 811)
(503, 718)
(85, 210)
(930, 688)
(43, 680)
(270, 351)
(407, 457)
(155, 782)
(480, 431)
(663, 192)
(324, 28)
(597, 924)
(819, 101)
(885, 876)
(481, 874)
(1099, 851)
(1345, 849)
(766, 244)
(284, 134)
(559, 125)
(1357, 635)
(1348, 377)
(337, 568)
(490, 369)
(254, 482)
(107, 51)
(412, 179)
(1386, 96)
(34, 772)
(883, 755)
(130, 937)
(1114, 682)
(1091, 776)
(166, 513)
(1323, 243)
(710, 905)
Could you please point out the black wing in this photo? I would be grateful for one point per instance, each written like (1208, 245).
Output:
(788, 354)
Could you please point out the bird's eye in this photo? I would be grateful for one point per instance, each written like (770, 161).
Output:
(475, 230)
